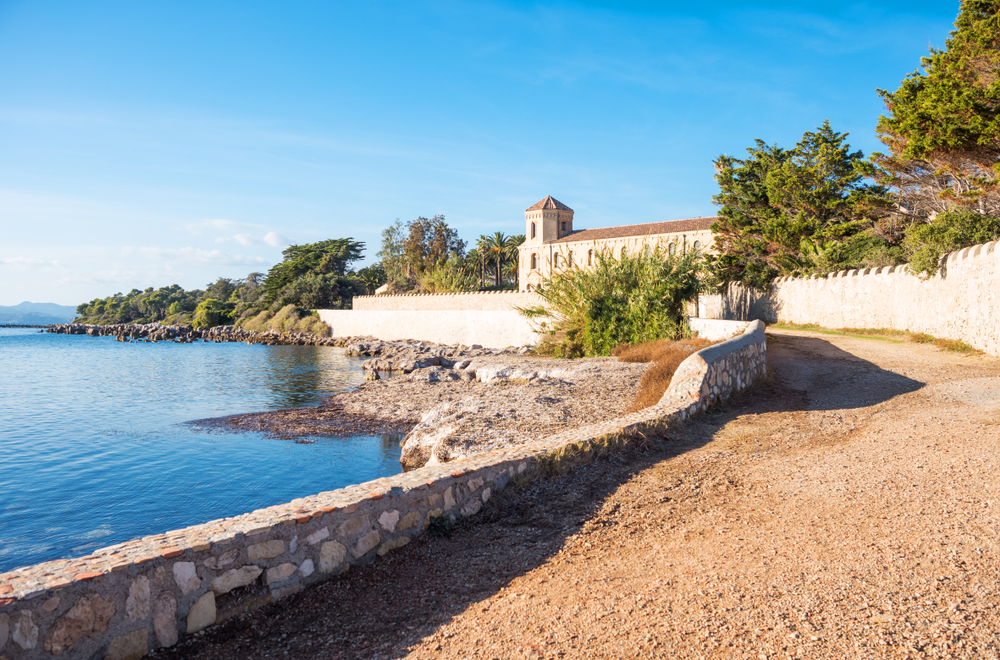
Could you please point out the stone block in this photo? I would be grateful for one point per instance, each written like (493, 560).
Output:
(279, 573)
(318, 535)
(50, 605)
(412, 519)
(88, 617)
(165, 620)
(355, 525)
(24, 631)
(4, 630)
(137, 605)
(388, 520)
(265, 550)
(388, 546)
(202, 613)
(225, 559)
(449, 498)
(236, 577)
(186, 576)
(434, 499)
(365, 543)
(307, 568)
(471, 508)
(293, 545)
(486, 495)
(129, 647)
(331, 555)
(433, 513)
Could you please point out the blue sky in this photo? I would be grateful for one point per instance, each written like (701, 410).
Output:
(146, 144)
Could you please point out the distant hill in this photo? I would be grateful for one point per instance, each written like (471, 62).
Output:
(29, 313)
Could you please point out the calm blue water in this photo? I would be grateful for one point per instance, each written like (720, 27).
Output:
(94, 449)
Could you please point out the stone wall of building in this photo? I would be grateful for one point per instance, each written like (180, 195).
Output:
(962, 301)
(122, 601)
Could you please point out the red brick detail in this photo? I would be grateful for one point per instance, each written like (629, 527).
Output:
(303, 519)
(170, 553)
(376, 496)
(430, 484)
(58, 584)
(143, 560)
(4, 602)
(328, 509)
(316, 514)
(457, 474)
(89, 575)
(6, 589)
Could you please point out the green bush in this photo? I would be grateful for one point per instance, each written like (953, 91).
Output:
(630, 300)
(210, 313)
(947, 232)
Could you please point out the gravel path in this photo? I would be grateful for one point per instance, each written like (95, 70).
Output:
(846, 509)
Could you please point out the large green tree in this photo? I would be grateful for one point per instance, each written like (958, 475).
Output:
(788, 211)
(330, 257)
(942, 125)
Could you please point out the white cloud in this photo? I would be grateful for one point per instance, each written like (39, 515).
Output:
(275, 240)
(22, 263)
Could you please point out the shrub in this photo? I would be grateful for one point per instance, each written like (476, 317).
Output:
(635, 299)
(947, 232)
(667, 356)
(210, 313)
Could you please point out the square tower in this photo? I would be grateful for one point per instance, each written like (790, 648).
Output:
(548, 220)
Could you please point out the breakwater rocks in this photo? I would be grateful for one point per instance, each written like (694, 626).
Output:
(153, 332)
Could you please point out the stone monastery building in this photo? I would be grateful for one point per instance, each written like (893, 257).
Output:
(551, 242)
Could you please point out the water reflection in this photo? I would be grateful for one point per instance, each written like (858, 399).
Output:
(297, 376)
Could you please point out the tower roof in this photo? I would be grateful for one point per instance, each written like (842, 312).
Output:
(549, 203)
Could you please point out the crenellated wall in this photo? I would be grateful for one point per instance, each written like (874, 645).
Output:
(962, 301)
(122, 601)
(483, 301)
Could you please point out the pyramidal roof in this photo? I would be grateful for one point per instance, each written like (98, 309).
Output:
(549, 202)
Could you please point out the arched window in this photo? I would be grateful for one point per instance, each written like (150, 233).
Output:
(697, 247)
(624, 252)
(555, 260)
(672, 249)
(534, 262)
(532, 229)
(569, 260)
(590, 257)
(563, 225)
(647, 249)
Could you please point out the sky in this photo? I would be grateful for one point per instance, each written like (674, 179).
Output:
(155, 143)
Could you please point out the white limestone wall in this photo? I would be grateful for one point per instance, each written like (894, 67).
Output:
(961, 302)
(478, 301)
(715, 329)
(491, 328)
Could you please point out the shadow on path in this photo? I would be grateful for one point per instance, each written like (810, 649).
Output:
(381, 610)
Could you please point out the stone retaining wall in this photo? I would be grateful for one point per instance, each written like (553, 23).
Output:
(962, 301)
(124, 600)
(484, 301)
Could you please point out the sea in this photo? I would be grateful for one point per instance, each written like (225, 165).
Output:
(97, 445)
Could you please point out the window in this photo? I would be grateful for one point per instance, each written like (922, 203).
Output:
(534, 262)
(697, 247)
(570, 260)
(563, 225)
(590, 257)
(672, 249)
(532, 229)
(555, 260)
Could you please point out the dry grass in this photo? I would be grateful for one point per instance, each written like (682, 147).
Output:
(886, 334)
(666, 356)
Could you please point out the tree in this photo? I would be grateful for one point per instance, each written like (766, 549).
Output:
(392, 255)
(210, 313)
(332, 256)
(942, 125)
(429, 241)
(372, 277)
(783, 212)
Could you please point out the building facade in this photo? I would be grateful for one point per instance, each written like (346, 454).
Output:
(552, 243)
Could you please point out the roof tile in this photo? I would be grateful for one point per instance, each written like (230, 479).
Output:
(549, 203)
(648, 229)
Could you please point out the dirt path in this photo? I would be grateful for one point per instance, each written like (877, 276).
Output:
(847, 509)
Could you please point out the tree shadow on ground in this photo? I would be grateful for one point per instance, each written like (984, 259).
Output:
(383, 609)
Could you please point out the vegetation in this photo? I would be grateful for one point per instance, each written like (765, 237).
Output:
(427, 256)
(311, 276)
(790, 212)
(631, 300)
(666, 355)
(886, 334)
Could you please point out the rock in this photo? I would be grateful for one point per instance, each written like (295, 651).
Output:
(449, 498)
(331, 555)
(237, 577)
(307, 568)
(318, 536)
(293, 545)
(49, 605)
(186, 577)
(137, 605)
(280, 573)
(388, 520)
(427, 443)
(85, 619)
(471, 508)
(25, 632)
(266, 550)
(202, 613)
(412, 519)
(215, 563)
(365, 543)
(355, 525)
(129, 647)
(4, 629)
(165, 620)
(392, 545)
